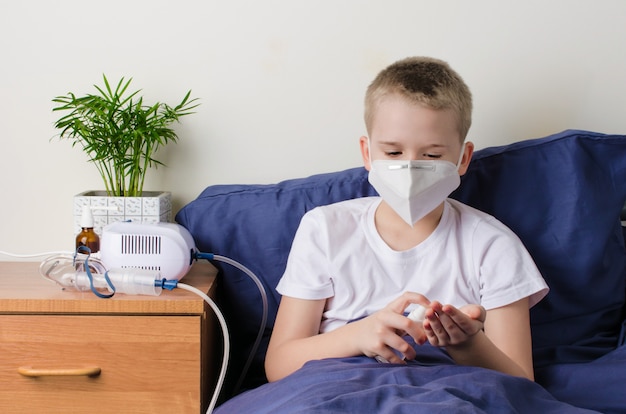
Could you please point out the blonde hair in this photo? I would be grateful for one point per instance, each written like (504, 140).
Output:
(422, 80)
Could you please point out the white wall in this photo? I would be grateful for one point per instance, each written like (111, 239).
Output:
(281, 84)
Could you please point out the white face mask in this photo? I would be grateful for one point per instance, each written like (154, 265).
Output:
(414, 188)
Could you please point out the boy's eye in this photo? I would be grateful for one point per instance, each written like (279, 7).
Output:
(393, 153)
(435, 156)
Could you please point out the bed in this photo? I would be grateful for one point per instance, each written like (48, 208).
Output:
(562, 194)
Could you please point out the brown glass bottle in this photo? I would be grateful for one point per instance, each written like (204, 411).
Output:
(87, 237)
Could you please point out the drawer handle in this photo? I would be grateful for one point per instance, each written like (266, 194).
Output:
(70, 372)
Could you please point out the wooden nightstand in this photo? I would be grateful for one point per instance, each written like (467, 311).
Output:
(128, 354)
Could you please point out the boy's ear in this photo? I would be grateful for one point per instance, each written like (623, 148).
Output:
(467, 157)
(365, 152)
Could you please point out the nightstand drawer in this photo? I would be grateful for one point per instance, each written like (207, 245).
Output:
(147, 363)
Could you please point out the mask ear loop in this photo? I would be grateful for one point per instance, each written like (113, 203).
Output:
(369, 152)
(458, 164)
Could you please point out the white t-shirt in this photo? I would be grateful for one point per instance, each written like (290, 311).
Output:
(470, 258)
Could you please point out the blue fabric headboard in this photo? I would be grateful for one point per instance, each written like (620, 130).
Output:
(562, 195)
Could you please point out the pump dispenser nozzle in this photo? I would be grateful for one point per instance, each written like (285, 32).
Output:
(86, 218)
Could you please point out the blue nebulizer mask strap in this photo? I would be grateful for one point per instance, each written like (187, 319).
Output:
(90, 275)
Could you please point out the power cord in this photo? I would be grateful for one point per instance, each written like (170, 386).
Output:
(32, 255)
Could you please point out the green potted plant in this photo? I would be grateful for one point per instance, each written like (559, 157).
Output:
(120, 134)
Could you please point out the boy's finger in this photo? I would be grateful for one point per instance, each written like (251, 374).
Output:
(399, 304)
(463, 321)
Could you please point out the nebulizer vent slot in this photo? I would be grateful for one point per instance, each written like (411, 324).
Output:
(156, 268)
(140, 244)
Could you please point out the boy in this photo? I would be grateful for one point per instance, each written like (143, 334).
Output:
(368, 261)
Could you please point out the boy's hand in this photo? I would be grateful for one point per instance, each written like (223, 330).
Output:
(446, 325)
(381, 332)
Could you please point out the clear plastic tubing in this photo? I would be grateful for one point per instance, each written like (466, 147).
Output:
(265, 310)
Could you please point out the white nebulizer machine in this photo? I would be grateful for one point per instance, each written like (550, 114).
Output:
(135, 259)
(166, 247)
(144, 259)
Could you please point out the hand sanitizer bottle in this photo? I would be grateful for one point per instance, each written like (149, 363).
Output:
(88, 237)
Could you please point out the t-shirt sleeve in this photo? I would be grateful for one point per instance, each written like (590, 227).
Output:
(306, 274)
(506, 270)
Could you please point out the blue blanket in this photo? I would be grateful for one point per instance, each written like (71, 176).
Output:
(433, 385)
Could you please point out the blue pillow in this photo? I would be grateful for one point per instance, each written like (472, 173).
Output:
(561, 194)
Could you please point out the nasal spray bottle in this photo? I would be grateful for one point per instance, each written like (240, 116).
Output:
(87, 236)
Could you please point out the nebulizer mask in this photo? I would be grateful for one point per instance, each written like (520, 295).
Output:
(85, 273)
(414, 188)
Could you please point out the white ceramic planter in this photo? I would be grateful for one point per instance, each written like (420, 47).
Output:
(152, 207)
